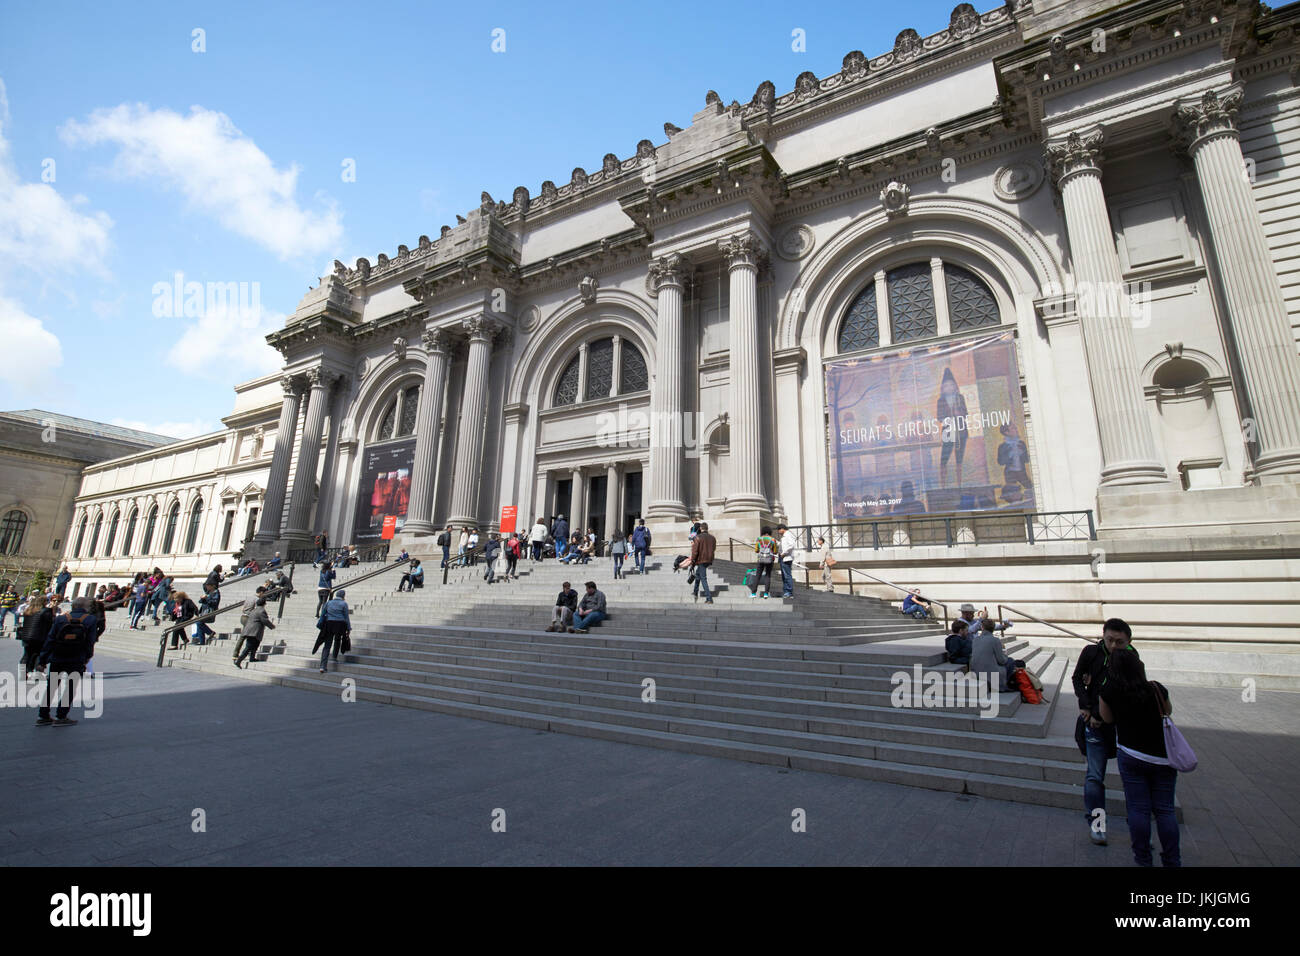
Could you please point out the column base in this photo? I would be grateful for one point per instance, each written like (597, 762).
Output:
(1133, 473)
(414, 528)
(464, 521)
(1278, 464)
(666, 511)
(738, 504)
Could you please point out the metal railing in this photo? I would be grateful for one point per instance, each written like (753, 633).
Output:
(1057, 627)
(366, 555)
(179, 627)
(971, 528)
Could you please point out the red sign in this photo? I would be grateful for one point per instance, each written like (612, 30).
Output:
(390, 527)
(509, 514)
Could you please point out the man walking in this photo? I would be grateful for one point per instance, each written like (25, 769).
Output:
(827, 558)
(560, 532)
(591, 610)
(245, 613)
(491, 551)
(788, 545)
(1089, 679)
(702, 550)
(251, 633)
(640, 544)
(67, 648)
(444, 542)
(9, 605)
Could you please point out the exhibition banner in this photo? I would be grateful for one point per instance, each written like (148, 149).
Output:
(384, 491)
(929, 430)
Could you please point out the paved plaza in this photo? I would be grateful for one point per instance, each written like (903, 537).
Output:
(287, 777)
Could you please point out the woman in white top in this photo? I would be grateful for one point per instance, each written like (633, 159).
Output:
(537, 538)
(462, 545)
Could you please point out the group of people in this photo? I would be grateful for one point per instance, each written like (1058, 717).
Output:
(63, 643)
(578, 615)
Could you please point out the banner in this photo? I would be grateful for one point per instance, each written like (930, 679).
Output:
(932, 429)
(384, 490)
(509, 515)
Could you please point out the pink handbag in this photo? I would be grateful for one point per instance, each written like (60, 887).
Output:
(1180, 753)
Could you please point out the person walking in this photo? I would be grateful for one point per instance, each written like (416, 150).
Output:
(335, 625)
(139, 601)
(183, 610)
(640, 544)
(323, 586)
(703, 548)
(1137, 708)
(36, 627)
(245, 613)
(208, 604)
(444, 542)
(99, 614)
(537, 538)
(491, 551)
(618, 551)
(513, 553)
(788, 545)
(827, 558)
(69, 645)
(1098, 737)
(560, 531)
(9, 605)
(251, 633)
(766, 548)
(161, 592)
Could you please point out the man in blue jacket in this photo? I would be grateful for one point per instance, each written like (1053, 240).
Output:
(640, 544)
(560, 532)
(61, 582)
(67, 648)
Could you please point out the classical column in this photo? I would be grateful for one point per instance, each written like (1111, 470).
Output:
(616, 383)
(611, 499)
(309, 453)
(742, 254)
(1256, 310)
(1128, 450)
(437, 349)
(273, 503)
(666, 281)
(942, 320)
(575, 501)
(469, 436)
(582, 372)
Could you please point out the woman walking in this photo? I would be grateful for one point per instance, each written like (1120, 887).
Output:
(335, 625)
(618, 549)
(254, 627)
(1137, 707)
(182, 610)
(766, 548)
(323, 586)
(36, 625)
(513, 552)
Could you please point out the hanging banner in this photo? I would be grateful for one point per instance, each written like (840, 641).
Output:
(384, 491)
(509, 515)
(929, 430)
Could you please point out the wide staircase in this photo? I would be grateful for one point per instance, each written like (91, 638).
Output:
(809, 684)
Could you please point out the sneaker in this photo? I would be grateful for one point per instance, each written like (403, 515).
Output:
(708, 601)
(572, 631)
(43, 721)
(766, 596)
(63, 722)
(1097, 838)
(322, 670)
(581, 630)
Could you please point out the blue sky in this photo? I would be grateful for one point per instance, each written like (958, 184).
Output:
(126, 157)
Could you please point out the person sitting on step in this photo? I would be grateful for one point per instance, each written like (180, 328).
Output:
(412, 579)
(591, 610)
(988, 657)
(565, 605)
(915, 605)
(958, 643)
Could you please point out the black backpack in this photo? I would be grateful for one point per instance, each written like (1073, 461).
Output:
(444, 540)
(75, 637)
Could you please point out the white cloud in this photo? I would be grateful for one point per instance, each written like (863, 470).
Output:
(218, 169)
(32, 351)
(225, 341)
(171, 429)
(40, 230)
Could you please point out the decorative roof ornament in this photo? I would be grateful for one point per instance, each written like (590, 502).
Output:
(712, 97)
(521, 199)
(363, 268)
(579, 177)
(549, 192)
(765, 96)
(932, 139)
(907, 45)
(895, 198)
(425, 244)
(485, 204)
(645, 151)
(587, 289)
(964, 21)
(670, 130)
(855, 66)
(805, 84)
(609, 165)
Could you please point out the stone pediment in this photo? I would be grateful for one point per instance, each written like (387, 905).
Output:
(715, 131)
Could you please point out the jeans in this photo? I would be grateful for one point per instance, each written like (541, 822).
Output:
(560, 547)
(582, 622)
(1098, 744)
(153, 608)
(537, 550)
(1148, 789)
(512, 565)
(640, 560)
(490, 574)
(446, 555)
(58, 672)
(702, 581)
(787, 579)
(618, 565)
(138, 612)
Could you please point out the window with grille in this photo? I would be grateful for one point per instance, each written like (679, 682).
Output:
(112, 533)
(94, 535)
(130, 531)
(192, 535)
(632, 374)
(911, 302)
(389, 422)
(169, 530)
(12, 530)
(410, 406)
(913, 311)
(861, 326)
(600, 369)
(150, 523)
(566, 391)
(970, 302)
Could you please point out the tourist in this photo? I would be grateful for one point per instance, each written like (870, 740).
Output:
(444, 542)
(1137, 708)
(9, 605)
(986, 651)
(766, 547)
(321, 556)
(586, 548)
(36, 627)
(537, 539)
(560, 532)
(491, 551)
(788, 544)
(139, 601)
(250, 635)
(514, 551)
(413, 578)
(100, 615)
(245, 613)
(214, 577)
(618, 551)
(827, 559)
(335, 625)
(208, 604)
(958, 643)
(323, 586)
(1097, 736)
(640, 544)
(917, 606)
(182, 611)
(61, 582)
(703, 549)
(565, 604)
(275, 562)
(473, 544)
(591, 610)
(404, 556)
(161, 592)
(968, 614)
(68, 646)
(462, 546)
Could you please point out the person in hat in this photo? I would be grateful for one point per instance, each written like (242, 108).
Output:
(969, 615)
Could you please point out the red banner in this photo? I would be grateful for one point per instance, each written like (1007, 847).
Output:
(509, 515)
(390, 527)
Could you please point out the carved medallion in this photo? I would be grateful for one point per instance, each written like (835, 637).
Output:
(895, 197)
(530, 318)
(1017, 181)
(795, 243)
(587, 289)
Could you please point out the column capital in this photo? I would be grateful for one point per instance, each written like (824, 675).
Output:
(670, 271)
(436, 340)
(315, 377)
(1212, 115)
(481, 328)
(1079, 152)
(743, 250)
(291, 384)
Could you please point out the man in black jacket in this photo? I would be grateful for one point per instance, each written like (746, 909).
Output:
(565, 605)
(67, 648)
(1098, 736)
(444, 542)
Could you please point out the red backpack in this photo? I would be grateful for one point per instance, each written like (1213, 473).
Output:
(1028, 693)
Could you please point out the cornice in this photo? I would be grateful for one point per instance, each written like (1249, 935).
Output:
(11, 452)
(602, 256)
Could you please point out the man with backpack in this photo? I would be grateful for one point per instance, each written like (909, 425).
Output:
(640, 544)
(1095, 737)
(444, 542)
(491, 551)
(67, 648)
(560, 532)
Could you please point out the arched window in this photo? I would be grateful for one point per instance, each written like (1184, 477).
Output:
(12, 530)
(196, 515)
(410, 407)
(601, 358)
(169, 530)
(94, 535)
(150, 523)
(130, 531)
(389, 422)
(81, 537)
(112, 532)
(398, 420)
(912, 309)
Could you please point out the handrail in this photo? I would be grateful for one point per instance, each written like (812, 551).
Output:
(388, 566)
(1063, 630)
(210, 615)
(465, 559)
